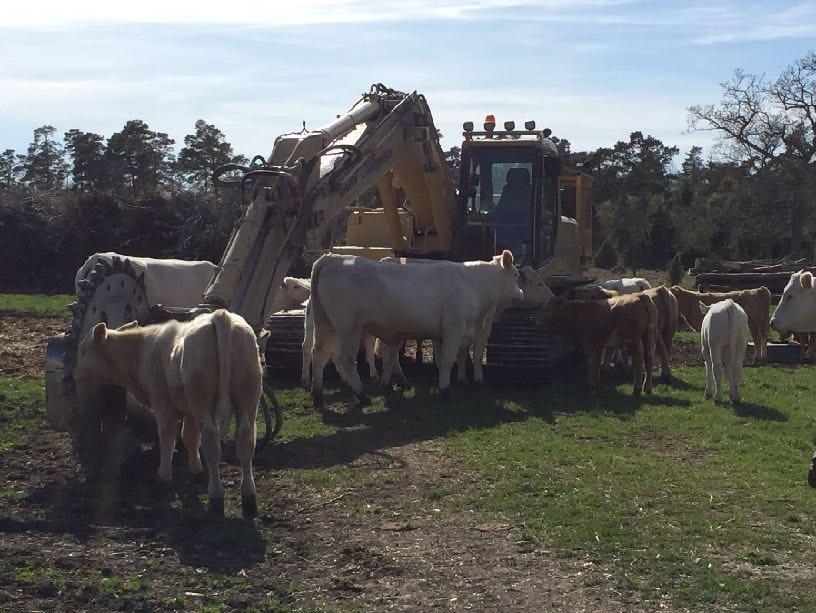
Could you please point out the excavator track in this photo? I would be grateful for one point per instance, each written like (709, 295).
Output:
(518, 351)
(284, 348)
(521, 352)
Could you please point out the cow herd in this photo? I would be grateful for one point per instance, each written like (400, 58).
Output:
(203, 372)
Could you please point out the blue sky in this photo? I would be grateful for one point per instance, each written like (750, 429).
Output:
(592, 70)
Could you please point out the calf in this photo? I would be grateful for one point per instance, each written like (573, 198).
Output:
(724, 337)
(755, 302)
(292, 294)
(628, 320)
(168, 282)
(449, 302)
(627, 286)
(194, 371)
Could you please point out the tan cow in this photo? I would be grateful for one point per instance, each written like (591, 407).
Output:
(755, 302)
(624, 320)
(196, 371)
(666, 327)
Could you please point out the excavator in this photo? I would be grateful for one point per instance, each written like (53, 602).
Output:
(511, 194)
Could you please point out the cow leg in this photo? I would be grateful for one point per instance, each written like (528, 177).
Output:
(709, 368)
(717, 367)
(461, 365)
(167, 422)
(306, 367)
(245, 449)
(636, 350)
(444, 361)
(755, 335)
(479, 343)
(321, 352)
(211, 447)
(191, 435)
(663, 354)
(668, 341)
(346, 362)
(368, 345)
(648, 362)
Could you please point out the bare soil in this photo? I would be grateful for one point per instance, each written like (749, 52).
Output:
(386, 538)
(22, 343)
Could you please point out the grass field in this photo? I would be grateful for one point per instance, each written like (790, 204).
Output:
(39, 304)
(680, 502)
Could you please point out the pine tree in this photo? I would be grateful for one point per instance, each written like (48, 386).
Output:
(203, 152)
(44, 165)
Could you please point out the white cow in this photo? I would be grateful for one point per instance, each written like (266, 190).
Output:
(367, 341)
(796, 310)
(448, 302)
(200, 371)
(724, 337)
(293, 293)
(536, 295)
(168, 282)
(631, 285)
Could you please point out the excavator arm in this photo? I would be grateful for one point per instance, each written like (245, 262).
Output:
(386, 138)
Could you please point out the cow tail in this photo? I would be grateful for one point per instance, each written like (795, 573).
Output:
(223, 340)
(320, 318)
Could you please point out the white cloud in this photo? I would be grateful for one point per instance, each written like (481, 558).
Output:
(49, 13)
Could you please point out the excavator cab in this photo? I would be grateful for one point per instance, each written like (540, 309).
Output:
(511, 190)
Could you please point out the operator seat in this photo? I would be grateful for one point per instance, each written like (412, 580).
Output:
(514, 202)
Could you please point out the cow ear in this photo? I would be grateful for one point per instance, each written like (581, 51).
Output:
(704, 308)
(807, 280)
(100, 332)
(506, 259)
(128, 326)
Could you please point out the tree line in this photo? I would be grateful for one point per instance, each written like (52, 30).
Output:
(752, 197)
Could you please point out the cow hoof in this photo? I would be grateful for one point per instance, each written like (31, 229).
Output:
(445, 394)
(635, 393)
(216, 507)
(648, 392)
(363, 400)
(249, 506)
(317, 400)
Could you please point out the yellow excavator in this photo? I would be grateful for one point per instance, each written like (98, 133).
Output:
(511, 194)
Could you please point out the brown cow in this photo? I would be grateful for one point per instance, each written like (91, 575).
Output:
(199, 372)
(666, 324)
(666, 327)
(591, 292)
(755, 302)
(629, 320)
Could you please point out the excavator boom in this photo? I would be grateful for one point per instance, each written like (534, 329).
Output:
(387, 138)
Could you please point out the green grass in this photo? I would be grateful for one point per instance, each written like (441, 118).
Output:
(39, 304)
(22, 403)
(673, 496)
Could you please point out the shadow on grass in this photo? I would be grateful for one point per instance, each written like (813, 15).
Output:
(130, 506)
(758, 411)
(423, 415)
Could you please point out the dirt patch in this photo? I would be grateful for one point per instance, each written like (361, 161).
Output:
(391, 538)
(686, 353)
(22, 343)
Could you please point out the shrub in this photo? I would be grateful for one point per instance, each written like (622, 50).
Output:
(606, 257)
(676, 272)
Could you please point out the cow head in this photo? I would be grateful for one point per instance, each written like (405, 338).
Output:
(93, 364)
(510, 292)
(797, 309)
(688, 304)
(548, 315)
(536, 292)
(296, 291)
